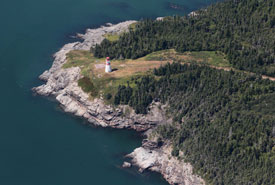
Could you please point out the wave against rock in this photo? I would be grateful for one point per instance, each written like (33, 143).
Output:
(62, 84)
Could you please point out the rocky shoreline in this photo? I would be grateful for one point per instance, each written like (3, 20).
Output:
(62, 84)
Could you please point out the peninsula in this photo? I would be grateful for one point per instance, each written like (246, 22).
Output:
(62, 82)
(200, 88)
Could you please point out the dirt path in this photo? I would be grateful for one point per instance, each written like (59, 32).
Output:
(268, 77)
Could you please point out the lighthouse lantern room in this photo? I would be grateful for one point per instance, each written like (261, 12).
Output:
(108, 68)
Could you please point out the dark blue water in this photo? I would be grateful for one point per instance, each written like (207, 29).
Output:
(39, 144)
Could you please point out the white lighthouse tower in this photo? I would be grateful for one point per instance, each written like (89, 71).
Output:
(108, 68)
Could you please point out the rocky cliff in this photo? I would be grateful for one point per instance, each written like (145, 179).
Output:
(62, 84)
(157, 158)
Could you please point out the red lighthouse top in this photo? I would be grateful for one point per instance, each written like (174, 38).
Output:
(108, 61)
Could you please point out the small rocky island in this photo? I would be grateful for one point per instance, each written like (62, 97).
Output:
(62, 83)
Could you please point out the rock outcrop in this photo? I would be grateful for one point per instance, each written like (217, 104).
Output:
(126, 165)
(63, 85)
(159, 159)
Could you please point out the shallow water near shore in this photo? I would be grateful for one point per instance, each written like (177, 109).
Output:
(39, 143)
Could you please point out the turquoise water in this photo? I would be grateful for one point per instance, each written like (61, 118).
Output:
(39, 144)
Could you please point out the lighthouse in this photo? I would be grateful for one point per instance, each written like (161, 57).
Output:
(108, 68)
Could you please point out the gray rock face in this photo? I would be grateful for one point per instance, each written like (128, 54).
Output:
(62, 84)
(160, 160)
(126, 165)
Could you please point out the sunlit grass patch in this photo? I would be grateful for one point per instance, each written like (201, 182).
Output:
(78, 58)
(132, 26)
(214, 58)
(111, 37)
(87, 86)
(115, 36)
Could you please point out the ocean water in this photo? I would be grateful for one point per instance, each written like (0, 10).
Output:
(40, 144)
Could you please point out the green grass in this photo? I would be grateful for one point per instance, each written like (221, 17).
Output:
(78, 58)
(214, 58)
(114, 37)
(88, 86)
(161, 55)
(111, 37)
(133, 26)
(110, 86)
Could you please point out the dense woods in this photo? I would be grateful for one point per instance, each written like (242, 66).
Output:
(223, 121)
(243, 29)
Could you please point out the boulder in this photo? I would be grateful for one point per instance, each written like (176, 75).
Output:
(126, 164)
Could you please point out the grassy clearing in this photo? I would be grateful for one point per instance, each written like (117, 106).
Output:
(111, 37)
(161, 55)
(133, 26)
(78, 58)
(213, 58)
(87, 86)
(98, 83)
(115, 36)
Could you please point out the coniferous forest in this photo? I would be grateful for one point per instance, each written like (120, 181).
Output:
(243, 29)
(223, 121)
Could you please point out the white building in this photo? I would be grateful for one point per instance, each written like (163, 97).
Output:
(108, 68)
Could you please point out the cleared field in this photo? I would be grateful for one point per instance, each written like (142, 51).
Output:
(98, 83)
